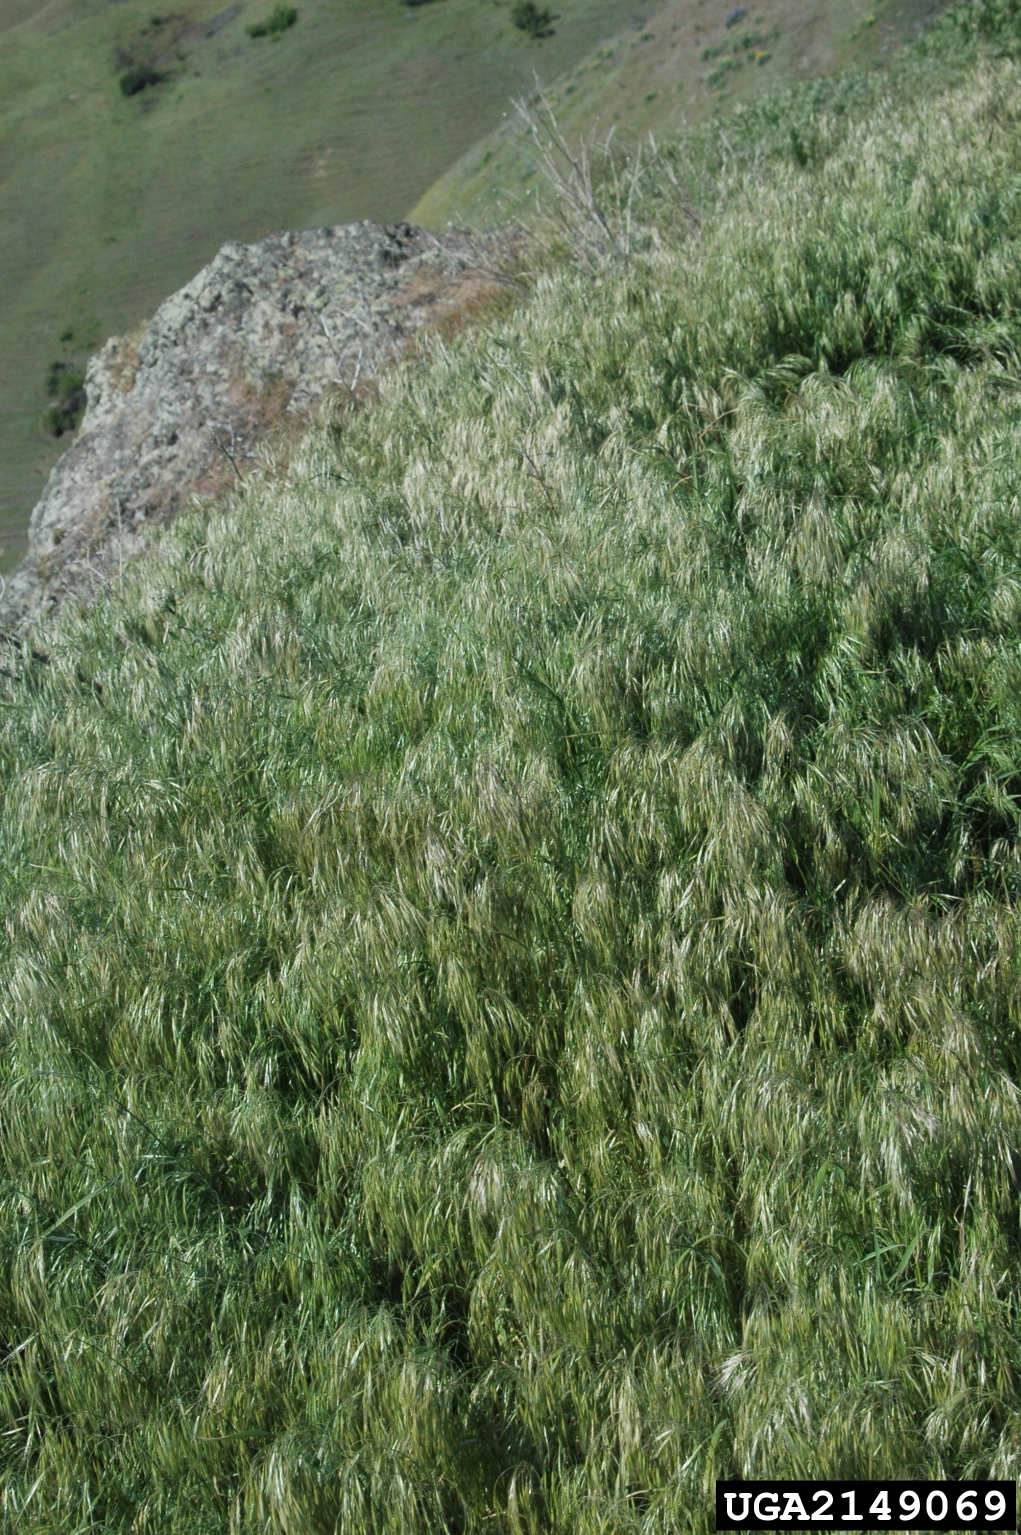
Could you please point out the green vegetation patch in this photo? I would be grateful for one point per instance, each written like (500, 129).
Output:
(139, 77)
(752, 47)
(278, 21)
(510, 983)
(65, 386)
(536, 21)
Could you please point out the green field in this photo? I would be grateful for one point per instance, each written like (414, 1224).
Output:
(108, 204)
(510, 979)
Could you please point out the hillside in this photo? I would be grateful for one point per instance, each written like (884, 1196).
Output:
(109, 203)
(509, 986)
(688, 62)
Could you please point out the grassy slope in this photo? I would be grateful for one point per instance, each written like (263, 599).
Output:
(510, 973)
(107, 205)
(16, 11)
(658, 78)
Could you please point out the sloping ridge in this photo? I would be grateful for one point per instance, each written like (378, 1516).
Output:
(251, 345)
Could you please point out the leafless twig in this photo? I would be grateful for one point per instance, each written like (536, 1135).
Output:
(228, 453)
(571, 174)
(337, 362)
(357, 319)
(537, 474)
(533, 469)
(341, 357)
(495, 275)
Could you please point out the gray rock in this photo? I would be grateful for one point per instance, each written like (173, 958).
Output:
(250, 346)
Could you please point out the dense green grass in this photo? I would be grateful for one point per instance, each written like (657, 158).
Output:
(511, 975)
(108, 203)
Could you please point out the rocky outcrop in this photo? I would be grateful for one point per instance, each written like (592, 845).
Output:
(249, 346)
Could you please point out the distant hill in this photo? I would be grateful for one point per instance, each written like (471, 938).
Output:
(110, 202)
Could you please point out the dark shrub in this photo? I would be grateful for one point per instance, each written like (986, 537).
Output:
(528, 17)
(65, 385)
(279, 19)
(139, 78)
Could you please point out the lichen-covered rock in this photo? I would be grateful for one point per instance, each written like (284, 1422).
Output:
(252, 343)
